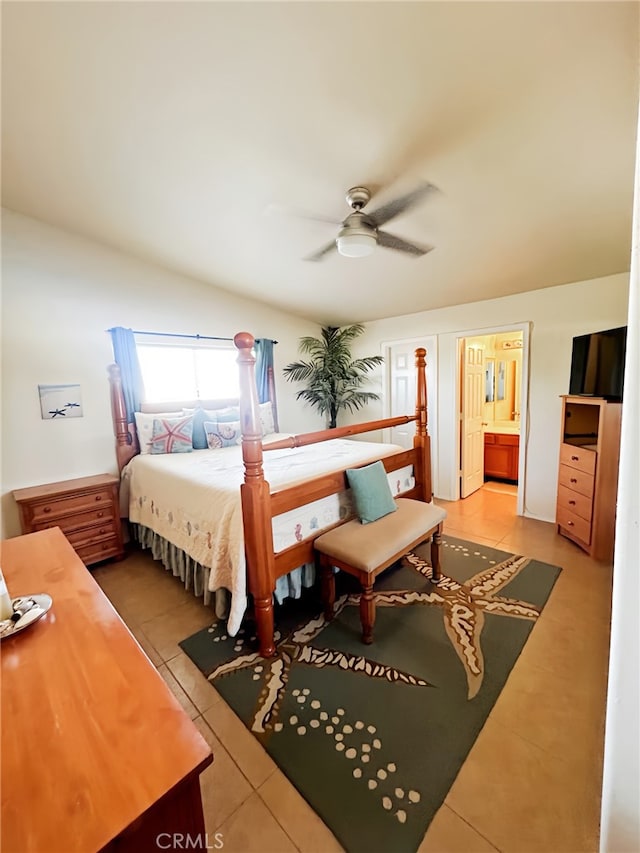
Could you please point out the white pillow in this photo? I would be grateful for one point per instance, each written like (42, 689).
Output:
(144, 427)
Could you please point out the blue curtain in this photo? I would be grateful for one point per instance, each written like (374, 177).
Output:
(126, 356)
(264, 361)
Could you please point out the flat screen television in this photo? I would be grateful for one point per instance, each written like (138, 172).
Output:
(597, 364)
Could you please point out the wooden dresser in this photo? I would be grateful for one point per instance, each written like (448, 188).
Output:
(85, 509)
(588, 473)
(97, 754)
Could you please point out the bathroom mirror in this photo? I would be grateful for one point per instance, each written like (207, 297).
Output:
(489, 380)
(500, 384)
(501, 389)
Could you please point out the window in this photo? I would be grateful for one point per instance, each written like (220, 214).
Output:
(179, 371)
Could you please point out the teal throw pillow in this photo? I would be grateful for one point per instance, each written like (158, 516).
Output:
(371, 492)
(199, 435)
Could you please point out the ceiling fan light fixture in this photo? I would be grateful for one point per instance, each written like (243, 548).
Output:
(356, 244)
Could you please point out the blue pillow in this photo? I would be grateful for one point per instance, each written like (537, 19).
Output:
(199, 435)
(371, 492)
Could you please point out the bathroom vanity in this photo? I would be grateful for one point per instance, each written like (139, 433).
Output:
(501, 452)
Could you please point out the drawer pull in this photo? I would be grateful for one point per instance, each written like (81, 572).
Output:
(46, 509)
(572, 503)
(575, 458)
(98, 497)
(100, 514)
(570, 523)
(103, 530)
(573, 480)
(106, 547)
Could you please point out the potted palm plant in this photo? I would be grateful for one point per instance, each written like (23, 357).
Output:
(333, 380)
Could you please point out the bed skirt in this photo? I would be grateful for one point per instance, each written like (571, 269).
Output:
(195, 576)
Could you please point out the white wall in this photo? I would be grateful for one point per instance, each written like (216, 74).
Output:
(620, 822)
(59, 295)
(556, 315)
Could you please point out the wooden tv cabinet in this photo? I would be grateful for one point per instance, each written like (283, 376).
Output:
(97, 754)
(588, 473)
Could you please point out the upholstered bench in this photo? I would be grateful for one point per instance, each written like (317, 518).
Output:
(365, 550)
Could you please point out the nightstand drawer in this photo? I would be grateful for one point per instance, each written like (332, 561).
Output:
(97, 551)
(71, 505)
(575, 525)
(576, 480)
(578, 457)
(68, 524)
(90, 535)
(574, 502)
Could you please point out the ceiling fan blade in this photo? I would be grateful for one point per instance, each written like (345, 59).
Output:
(321, 253)
(404, 202)
(390, 241)
(285, 210)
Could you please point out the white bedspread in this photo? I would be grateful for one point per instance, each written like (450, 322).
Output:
(193, 500)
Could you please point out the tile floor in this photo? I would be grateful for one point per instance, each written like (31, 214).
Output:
(530, 783)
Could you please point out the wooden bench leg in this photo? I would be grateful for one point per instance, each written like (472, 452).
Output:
(436, 540)
(328, 589)
(367, 613)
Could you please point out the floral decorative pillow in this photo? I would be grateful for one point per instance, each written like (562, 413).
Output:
(266, 418)
(144, 427)
(222, 434)
(172, 435)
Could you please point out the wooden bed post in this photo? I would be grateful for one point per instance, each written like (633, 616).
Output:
(126, 445)
(256, 497)
(421, 440)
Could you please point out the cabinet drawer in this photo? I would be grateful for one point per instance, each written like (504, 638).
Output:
(97, 551)
(89, 535)
(576, 480)
(67, 524)
(574, 502)
(573, 524)
(77, 503)
(579, 458)
(505, 439)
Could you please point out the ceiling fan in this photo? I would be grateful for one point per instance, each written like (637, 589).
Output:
(360, 232)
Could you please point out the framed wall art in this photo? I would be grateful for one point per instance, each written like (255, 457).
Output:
(60, 402)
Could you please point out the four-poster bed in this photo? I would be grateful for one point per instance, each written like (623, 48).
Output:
(277, 478)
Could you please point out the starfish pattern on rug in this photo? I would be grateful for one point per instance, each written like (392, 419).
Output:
(464, 605)
(274, 671)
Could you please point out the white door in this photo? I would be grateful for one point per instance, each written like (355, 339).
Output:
(472, 449)
(402, 376)
(401, 363)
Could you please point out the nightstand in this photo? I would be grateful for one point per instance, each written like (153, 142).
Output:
(85, 509)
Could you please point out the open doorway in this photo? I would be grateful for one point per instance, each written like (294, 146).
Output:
(492, 410)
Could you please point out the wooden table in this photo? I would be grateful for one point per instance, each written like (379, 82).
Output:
(96, 751)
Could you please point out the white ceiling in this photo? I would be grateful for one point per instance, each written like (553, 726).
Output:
(167, 129)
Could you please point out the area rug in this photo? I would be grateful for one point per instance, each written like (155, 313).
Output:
(374, 736)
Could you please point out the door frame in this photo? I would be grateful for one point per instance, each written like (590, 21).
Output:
(452, 415)
(430, 342)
